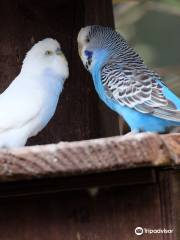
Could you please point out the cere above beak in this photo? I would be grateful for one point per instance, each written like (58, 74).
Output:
(59, 52)
(89, 58)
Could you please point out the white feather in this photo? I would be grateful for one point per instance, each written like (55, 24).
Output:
(30, 101)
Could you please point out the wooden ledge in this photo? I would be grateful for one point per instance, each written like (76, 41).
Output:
(90, 156)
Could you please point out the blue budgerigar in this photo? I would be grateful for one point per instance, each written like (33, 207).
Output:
(125, 83)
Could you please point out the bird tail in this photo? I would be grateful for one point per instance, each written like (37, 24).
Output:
(168, 114)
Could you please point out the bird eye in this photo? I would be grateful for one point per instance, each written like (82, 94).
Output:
(87, 39)
(48, 52)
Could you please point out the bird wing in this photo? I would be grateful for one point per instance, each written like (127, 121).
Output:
(138, 89)
(18, 109)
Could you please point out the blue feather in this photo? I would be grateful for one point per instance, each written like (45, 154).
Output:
(136, 120)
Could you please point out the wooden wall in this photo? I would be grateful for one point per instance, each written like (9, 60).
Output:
(43, 210)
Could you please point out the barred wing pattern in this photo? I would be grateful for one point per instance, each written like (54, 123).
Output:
(137, 88)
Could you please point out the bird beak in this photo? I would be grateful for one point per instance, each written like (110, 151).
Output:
(60, 53)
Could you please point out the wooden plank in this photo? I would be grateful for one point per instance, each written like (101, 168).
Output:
(113, 213)
(168, 209)
(98, 12)
(176, 197)
(172, 143)
(90, 156)
(53, 185)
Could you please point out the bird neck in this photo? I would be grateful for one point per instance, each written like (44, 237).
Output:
(46, 80)
(98, 59)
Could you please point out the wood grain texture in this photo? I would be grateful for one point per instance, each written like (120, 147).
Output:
(168, 207)
(90, 156)
(112, 214)
(176, 197)
(172, 142)
(58, 184)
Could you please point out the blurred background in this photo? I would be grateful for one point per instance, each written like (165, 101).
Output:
(153, 29)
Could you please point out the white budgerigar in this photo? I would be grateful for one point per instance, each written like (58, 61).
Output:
(30, 101)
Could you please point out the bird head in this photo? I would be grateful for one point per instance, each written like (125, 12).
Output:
(96, 44)
(46, 55)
